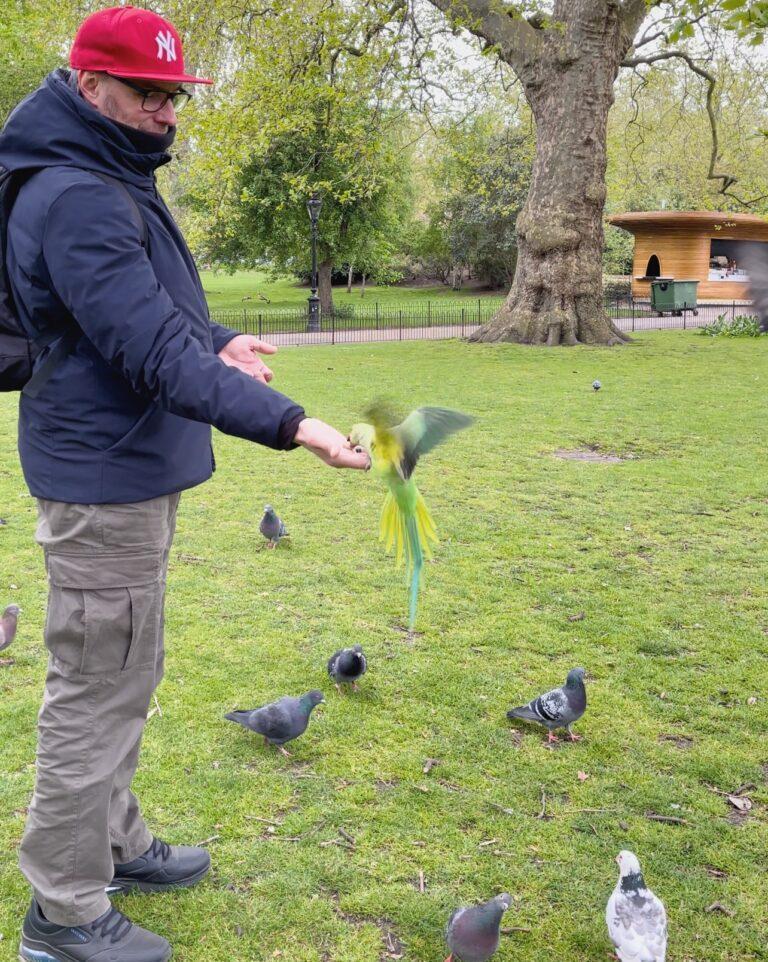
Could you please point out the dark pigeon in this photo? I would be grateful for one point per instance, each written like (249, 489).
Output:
(558, 708)
(472, 932)
(596, 385)
(346, 665)
(271, 526)
(281, 721)
(8, 623)
(636, 918)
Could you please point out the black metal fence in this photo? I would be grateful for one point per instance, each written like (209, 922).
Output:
(432, 320)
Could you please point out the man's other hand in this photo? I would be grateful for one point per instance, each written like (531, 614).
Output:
(330, 445)
(243, 352)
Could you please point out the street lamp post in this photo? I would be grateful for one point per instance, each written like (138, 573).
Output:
(313, 208)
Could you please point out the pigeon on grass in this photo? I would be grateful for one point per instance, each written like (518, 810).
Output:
(272, 527)
(8, 623)
(558, 708)
(281, 721)
(472, 932)
(346, 665)
(636, 918)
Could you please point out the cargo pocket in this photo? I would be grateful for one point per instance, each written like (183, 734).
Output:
(104, 613)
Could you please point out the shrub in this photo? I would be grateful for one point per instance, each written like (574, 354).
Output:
(617, 289)
(743, 325)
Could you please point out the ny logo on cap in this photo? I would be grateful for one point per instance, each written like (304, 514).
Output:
(166, 44)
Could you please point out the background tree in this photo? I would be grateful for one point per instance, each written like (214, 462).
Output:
(366, 206)
(567, 57)
(481, 174)
(32, 36)
(309, 108)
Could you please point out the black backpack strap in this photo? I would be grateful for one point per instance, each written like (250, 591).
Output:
(63, 344)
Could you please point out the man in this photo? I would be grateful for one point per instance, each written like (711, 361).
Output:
(117, 427)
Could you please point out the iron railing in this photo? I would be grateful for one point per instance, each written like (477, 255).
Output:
(435, 319)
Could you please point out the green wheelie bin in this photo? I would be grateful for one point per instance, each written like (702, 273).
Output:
(673, 296)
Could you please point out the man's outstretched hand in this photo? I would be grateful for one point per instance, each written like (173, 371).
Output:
(243, 352)
(330, 445)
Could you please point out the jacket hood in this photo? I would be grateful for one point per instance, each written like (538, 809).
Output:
(55, 127)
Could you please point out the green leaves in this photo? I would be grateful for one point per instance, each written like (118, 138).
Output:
(307, 110)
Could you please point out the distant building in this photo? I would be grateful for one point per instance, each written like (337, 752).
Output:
(695, 245)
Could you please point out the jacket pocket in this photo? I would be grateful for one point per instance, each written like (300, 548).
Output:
(104, 613)
(135, 430)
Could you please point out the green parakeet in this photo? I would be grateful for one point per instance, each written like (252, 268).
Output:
(395, 450)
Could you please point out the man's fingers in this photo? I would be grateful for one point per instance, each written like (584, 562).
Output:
(264, 347)
(353, 459)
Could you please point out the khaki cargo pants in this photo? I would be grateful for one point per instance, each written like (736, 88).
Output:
(106, 567)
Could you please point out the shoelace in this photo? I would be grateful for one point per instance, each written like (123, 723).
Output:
(160, 849)
(112, 923)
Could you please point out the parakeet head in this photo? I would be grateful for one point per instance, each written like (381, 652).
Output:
(362, 435)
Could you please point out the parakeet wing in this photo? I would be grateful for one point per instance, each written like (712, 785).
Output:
(424, 429)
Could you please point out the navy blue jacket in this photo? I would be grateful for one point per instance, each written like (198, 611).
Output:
(126, 415)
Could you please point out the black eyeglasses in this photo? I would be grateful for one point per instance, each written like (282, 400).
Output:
(154, 99)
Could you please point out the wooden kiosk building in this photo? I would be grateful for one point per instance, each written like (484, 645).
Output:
(697, 245)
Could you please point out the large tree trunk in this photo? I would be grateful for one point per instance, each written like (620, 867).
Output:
(567, 68)
(324, 288)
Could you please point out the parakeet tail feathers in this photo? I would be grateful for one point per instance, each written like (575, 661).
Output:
(410, 536)
(410, 541)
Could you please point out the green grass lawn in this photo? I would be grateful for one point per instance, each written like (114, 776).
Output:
(240, 291)
(665, 554)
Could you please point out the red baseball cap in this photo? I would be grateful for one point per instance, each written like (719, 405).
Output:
(130, 42)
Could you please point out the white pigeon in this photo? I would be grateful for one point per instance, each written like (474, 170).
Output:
(636, 918)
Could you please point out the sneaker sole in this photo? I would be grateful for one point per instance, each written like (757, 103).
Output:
(134, 885)
(35, 955)
(28, 954)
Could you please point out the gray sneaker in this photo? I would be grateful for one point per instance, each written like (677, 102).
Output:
(160, 868)
(111, 938)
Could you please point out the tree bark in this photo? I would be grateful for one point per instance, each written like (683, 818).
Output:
(362, 286)
(349, 279)
(324, 288)
(567, 70)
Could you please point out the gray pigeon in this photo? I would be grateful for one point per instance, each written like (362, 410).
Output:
(558, 708)
(636, 918)
(271, 526)
(281, 721)
(8, 623)
(472, 932)
(596, 385)
(346, 665)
